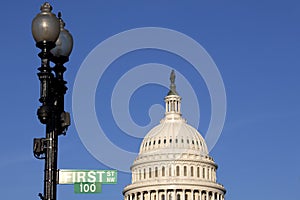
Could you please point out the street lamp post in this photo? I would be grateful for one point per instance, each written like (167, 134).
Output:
(56, 45)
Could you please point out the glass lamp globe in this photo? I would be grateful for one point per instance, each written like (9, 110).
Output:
(64, 43)
(45, 26)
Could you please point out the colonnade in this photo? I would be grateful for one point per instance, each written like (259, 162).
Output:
(178, 194)
(173, 105)
(205, 172)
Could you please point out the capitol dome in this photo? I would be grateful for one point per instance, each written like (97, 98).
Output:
(173, 162)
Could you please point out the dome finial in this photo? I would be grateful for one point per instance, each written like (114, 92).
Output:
(172, 90)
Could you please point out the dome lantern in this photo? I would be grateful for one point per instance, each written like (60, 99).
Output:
(173, 100)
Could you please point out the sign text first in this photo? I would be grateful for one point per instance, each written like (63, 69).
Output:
(87, 176)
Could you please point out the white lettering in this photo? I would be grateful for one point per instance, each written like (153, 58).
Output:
(80, 177)
(93, 187)
(91, 176)
(67, 177)
(100, 176)
(110, 179)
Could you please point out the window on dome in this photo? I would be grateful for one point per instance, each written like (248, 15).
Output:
(158, 141)
(208, 173)
(187, 141)
(140, 175)
(198, 172)
(185, 171)
(165, 141)
(144, 173)
(170, 141)
(193, 142)
(163, 171)
(156, 172)
(149, 172)
(154, 142)
(170, 171)
(192, 171)
(203, 174)
(182, 141)
(176, 140)
(177, 171)
(150, 143)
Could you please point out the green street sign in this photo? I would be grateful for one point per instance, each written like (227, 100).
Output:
(69, 176)
(87, 188)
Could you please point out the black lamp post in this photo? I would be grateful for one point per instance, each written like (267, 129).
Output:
(56, 45)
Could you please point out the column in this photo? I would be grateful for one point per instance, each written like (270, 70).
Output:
(173, 193)
(192, 192)
(157, 198)
(166, 195)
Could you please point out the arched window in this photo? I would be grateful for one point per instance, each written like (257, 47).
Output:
(192, 171)
(184, 171)
(177, 171)
(163, 171)
(203, 174)
(144, 173)
(149, 172)
(198, 172)
(170, 171)
(156, 172)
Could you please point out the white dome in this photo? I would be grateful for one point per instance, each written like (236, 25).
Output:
(173, 161)
(173, 136)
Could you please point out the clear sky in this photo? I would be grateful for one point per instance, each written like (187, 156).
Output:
(254, 44)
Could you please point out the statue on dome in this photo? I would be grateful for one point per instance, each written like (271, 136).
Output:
(172, 77)
(172, 86)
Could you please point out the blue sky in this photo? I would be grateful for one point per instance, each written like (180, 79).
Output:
(255, 45)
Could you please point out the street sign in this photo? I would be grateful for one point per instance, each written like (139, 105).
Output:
(87, 188)
(71, 176)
